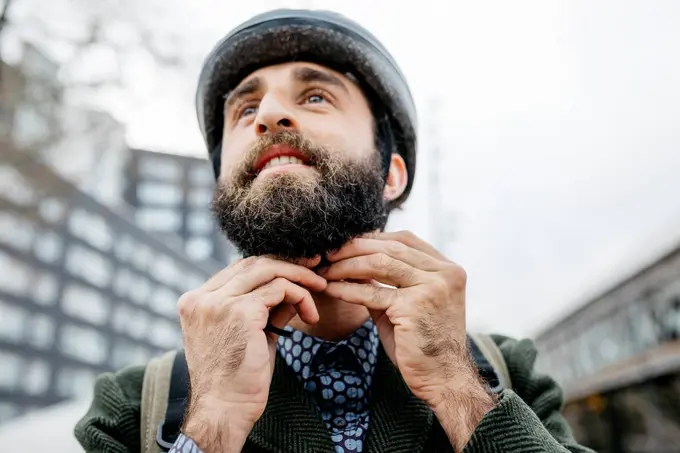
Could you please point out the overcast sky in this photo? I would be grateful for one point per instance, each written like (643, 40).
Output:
(559, 134)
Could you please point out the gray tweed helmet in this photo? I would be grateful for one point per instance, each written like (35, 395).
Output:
(322, 37)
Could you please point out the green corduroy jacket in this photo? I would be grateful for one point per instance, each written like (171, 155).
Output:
(527, 418)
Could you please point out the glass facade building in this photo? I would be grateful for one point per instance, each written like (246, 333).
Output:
(618, 359)
(83, 290)
(171, 198)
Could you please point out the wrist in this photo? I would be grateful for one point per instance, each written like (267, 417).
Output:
(216, 428)
(460, 407)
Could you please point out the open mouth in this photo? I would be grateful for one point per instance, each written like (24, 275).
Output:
(279, 156)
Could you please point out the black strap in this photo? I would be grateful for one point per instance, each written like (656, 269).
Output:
(486, 371)
(216, 160)
(168, 430)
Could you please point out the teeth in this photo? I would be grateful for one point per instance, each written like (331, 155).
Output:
(283, 160)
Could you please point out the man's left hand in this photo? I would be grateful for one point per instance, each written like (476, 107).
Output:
(420, 316)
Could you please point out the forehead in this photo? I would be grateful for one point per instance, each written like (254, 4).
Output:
(298, 72)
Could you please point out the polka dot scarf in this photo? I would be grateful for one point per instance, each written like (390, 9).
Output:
(338, 375)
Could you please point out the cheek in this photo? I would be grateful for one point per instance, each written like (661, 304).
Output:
(233, 153)
(351, 138)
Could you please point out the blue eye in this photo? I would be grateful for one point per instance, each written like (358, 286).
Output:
(248, 111)
(316, 99)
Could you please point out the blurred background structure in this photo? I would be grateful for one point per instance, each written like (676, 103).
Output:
(548, 168)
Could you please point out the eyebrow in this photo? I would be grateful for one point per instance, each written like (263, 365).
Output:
(250, 87)
(304, 75)
(309, 75)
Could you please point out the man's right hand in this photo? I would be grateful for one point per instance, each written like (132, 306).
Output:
(229, 355)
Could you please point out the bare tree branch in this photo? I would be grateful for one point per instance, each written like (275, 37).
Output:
(4, 14)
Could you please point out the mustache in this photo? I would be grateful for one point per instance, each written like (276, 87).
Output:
(315, 154)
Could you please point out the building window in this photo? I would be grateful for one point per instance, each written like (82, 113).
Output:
(127, 353)
(48, 247)
(159, 219)
(125, 248)
(91, 228)
(121, 317)
(165, 270)
(84, 303)
(201, 175)
(12, 322)
(11, 370)
(122, 283)
(199, 248)
(142, 256)
(165, 334)
(164, 301)
(153, 193)
(83, 343)
(52, 209)
(89, 265)
(40, 334)
(200, 198)
(36, 377)
(16, 232)
(130, 321)
(200, 222)
(159, 167)
(14, 187)
(16, 277)
(45, 288)
(140, 290)
(75, 382)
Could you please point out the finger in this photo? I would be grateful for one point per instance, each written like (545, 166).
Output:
(262, 270)
(309, 263)
(280, 291)
(395, 249)
(377, 266)
(217, 280)
(373, 297)
(413, 241)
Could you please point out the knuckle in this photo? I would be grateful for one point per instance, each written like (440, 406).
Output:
(406, 236)
(379, 260)
(187, 301)
(247, 263)
(441, 287)
(279, 283)
(395, 248)
(377, 295)
(456, 276)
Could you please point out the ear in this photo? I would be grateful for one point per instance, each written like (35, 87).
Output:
(397, 178)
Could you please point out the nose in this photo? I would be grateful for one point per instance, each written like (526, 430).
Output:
(274, 116)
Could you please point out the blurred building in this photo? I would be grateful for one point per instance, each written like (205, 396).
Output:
(85, 146)
(168, 195)
(31, 97)
(171, 198)
(618, 358)
(83, 290)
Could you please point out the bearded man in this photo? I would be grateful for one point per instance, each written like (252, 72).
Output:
(330, 335)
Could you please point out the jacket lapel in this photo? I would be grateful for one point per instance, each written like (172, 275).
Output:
(291, 422)
(400, 422)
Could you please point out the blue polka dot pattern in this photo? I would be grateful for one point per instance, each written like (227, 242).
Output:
(184, 444)
(338, 375)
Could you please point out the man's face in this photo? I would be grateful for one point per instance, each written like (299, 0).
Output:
(300, 172)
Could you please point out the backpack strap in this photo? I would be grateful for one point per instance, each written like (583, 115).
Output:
(166, 428)
(154, 399)
(484, 346)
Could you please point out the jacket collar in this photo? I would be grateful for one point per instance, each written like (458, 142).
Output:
(291, 422)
